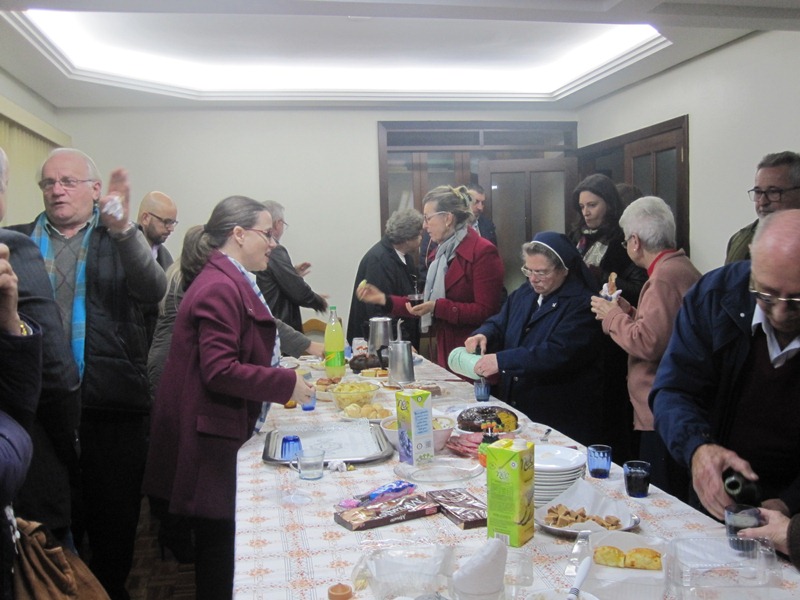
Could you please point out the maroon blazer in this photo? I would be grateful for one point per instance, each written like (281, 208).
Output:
(473, 291)
(217, 374)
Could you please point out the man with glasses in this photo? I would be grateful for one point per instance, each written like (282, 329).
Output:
(726, 391)
(102, 270)
(282, 283)
(158, 216)
(777, 187)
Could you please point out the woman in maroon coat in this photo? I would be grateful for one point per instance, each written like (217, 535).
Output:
(464, 284)
(222, 366)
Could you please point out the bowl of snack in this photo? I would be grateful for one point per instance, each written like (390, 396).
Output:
(442, 430)
(353, 392)
(373, 411)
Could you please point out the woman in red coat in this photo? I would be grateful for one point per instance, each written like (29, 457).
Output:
(221, 368)
(464, 284)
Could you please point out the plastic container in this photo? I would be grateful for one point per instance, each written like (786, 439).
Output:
(334, 346)
(462, 362)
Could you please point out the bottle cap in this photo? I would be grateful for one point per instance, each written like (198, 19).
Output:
(519, 444)
(340, 591)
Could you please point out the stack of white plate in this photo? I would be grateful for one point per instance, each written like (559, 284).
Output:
(555, 469)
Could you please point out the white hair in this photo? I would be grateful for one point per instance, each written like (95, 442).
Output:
(651, 219)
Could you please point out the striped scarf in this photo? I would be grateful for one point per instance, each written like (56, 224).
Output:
(41, 237)
(276, 352)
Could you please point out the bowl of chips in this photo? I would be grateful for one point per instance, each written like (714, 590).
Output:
(353, 392)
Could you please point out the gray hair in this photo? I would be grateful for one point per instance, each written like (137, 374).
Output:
(534, 248)
(3, 171)
(651, 219)
(275, 210)
(456, 201)
(783, 159)
(404, 225)
(91, 167)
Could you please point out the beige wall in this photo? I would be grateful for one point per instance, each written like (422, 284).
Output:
(323, 164)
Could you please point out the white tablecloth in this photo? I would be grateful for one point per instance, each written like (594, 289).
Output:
(297, 553)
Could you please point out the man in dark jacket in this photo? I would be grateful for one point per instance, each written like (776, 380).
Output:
(282, 283)
(101, 269)
(725, 393)
(45, 496)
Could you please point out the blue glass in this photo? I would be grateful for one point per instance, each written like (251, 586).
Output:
(311, 404)
(290, 447)
(482, 390)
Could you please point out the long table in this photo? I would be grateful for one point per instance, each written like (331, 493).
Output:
(286, 552)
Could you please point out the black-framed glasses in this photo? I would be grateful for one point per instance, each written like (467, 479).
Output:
(68, 183)
(267, 233)
(626, 240)
(537, 274)
(772, 194)
(165, 222)
(770, 300)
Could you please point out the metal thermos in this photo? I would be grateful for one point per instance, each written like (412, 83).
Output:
(741, 489)
(401, 362)
(380, 334)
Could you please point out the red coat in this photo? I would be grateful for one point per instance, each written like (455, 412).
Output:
(473, 291)
(217, 374)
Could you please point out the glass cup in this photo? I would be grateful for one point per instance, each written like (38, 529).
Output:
(310, 464)
(290, 446)
(738, 517)
(482, 390)
(637, 478)
(599, 461)
(415, 299)
(311, 404)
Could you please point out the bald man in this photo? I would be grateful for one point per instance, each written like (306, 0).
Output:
(725, 394)
(157, 220)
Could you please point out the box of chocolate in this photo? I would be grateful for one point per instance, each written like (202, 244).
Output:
(461, 507)
(397, 510)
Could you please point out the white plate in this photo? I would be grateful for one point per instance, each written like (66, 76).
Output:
(546, 476)
(442, 470)
(625, 542)
(571, 533)
(548, 457)
(287, 362)
(344, 417)
(558, 595)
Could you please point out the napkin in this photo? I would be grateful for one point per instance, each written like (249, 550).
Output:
(605, 294)
(482, 573)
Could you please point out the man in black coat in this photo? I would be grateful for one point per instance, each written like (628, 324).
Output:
(45, 496)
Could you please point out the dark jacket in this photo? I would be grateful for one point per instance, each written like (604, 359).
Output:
(487, 229)
(120, 275)
(150, 311)
(45, 496)
(473, 288)
(217, 375)
(700, 371)
(550, 359)
(285, 291)
(382, 267)
(739, 243)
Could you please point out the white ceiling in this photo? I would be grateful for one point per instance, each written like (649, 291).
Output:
(429, 51)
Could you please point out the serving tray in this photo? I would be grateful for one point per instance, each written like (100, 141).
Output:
(352, 442)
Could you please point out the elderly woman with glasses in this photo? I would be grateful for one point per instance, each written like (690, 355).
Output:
(544, 346)
(464, 284)
(644, 331)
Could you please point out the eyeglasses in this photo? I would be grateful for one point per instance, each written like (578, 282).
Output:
(771, 194)
(166, 222)
(427, 218)
(625, 241)
(770, 300)
(537, 274)
(285, 224)
(68, 183)
(267, 233)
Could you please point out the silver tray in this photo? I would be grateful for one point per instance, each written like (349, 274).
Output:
(573, 533)
(351, 442)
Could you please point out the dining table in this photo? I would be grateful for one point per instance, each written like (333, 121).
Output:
(297, 551)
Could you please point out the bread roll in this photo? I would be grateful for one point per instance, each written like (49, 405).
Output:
(643, 558)
(609, 556)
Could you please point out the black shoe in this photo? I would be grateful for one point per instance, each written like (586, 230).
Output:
(176, 536)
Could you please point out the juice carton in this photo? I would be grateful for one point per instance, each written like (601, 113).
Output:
(415, 426)
(509, 490)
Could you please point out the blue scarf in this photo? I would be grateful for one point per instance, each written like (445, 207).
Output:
(41, 238)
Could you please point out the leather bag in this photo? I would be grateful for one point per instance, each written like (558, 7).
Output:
(44, 570)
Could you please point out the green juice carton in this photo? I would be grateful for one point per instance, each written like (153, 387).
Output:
(415, 426)
(509, 491)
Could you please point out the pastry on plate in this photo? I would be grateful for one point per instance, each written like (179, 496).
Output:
(643, 558)
(609, 556)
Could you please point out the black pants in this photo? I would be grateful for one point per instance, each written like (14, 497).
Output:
(113, 453)
(213, 567)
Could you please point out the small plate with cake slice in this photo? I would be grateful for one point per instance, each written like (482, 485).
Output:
(628, 557)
